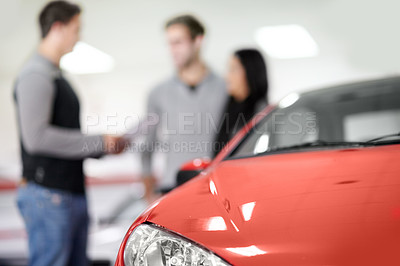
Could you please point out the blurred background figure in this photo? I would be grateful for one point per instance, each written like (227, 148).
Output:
(186, 104)
(51, 196)
(247, 84)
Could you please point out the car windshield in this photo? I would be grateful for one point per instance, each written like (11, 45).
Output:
(360, 114)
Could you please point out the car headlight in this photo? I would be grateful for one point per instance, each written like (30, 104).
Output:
(149, 245)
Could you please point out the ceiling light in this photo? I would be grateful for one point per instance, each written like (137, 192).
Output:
(85, 59)
(286, 41)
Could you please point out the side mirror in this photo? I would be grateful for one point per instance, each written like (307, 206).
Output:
(192, 169)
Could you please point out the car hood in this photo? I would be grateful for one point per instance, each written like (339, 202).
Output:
(303, 208)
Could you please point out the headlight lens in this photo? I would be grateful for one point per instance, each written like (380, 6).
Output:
(149, 245)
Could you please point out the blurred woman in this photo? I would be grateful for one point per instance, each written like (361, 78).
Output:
(247, 85)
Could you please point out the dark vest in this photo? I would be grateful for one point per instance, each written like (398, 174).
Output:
(52, 172)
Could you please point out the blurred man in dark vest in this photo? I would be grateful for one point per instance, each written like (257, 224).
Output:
(51, 197)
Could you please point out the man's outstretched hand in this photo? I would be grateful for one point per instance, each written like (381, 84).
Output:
(114, 144)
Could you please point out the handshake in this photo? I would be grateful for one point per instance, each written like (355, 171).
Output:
(114, 144)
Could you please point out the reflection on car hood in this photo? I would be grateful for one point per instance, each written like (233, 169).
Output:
(284, 209)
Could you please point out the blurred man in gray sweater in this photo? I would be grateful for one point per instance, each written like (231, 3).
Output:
(188, 107)
(51, 197)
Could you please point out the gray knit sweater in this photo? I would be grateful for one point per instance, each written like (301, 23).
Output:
(188, 120)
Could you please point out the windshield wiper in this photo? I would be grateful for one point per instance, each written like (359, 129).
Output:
(320, 143)
(381, 138)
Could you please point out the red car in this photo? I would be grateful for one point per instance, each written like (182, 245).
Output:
(314, 180)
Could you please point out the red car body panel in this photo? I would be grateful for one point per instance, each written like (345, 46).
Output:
(324, 207)
(310, 208)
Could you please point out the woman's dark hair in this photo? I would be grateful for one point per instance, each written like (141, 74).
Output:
(61, 11)
(237, 114)
(193, 24)
(256, 72)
